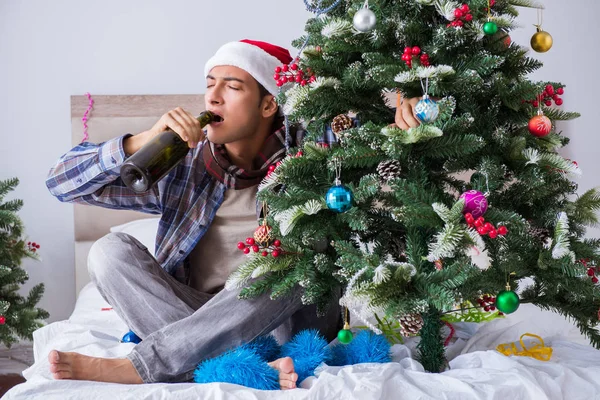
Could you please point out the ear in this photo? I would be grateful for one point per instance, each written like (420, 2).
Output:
(268, 106)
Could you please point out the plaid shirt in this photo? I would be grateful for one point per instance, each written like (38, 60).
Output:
(187, 198)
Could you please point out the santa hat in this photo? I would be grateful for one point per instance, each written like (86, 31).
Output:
(259, 59)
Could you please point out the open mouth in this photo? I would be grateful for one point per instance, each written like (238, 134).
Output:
(217, 118)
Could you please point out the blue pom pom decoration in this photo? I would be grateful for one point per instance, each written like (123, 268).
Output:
(308, 349)
(266, 347)
(339, 198)
(366, 347)
(131, 337)
(241, 366)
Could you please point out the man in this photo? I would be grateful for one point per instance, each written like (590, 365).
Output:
(208, 203)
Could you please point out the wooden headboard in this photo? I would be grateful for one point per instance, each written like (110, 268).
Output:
(113, 116)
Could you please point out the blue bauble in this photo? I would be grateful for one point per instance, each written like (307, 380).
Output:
(131, 337)
(427, 110)
(339, 198)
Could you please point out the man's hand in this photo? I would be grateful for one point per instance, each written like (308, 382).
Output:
(405, 114)
(178, 120)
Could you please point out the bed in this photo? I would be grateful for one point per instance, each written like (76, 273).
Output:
(475, 370)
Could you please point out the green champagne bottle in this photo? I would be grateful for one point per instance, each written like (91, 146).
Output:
(157, 157)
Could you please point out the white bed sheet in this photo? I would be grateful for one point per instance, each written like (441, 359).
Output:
(476, 370)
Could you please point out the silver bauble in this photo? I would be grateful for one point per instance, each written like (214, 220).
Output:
(364, 20)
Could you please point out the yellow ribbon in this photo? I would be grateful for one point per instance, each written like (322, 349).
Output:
(539, 351)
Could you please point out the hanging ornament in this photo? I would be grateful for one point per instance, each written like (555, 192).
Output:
(364, 20)
(490, 27)
(339, 198)
(389, 170)
(541, 41)
(476, 203)
(410, 324)
(340, 124)
(131, 337)
(426, 110)
(415, 52)
(507, 300)
(540, 125)
(345, 334)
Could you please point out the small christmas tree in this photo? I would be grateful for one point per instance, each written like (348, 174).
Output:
(424, 220)
(18, 316)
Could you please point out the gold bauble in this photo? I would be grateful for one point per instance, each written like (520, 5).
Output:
(541, 41)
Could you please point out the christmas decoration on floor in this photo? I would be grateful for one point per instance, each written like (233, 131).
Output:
(247, 365)
(19, 316)
(131, 337)
(538, 350)
(432, 217)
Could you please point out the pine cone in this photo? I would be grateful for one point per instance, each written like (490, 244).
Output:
(410, 324)
(341, 123)
(388, 170)
(542, 234)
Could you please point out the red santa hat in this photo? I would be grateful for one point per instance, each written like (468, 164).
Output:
(259, 59)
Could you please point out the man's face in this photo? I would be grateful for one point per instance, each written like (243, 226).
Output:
(233, 94)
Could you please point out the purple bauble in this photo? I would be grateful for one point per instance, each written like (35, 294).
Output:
(475, 203)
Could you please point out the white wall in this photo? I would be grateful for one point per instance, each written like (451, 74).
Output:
(50, 50)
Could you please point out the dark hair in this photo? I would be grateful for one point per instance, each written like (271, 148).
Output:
(262, 91)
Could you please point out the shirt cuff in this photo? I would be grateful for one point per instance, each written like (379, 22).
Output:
(112, 155)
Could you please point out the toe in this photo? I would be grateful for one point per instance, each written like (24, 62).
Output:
(286, 365)
(287, 384)
(53, 357)
(62, 375)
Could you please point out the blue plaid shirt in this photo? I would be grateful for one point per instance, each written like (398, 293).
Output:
(187, 198)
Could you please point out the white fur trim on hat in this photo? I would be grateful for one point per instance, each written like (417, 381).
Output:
(252, 59)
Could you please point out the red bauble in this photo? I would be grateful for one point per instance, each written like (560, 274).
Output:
(540, 125)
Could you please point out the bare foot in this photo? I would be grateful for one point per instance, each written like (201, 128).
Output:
(85, 368)
(287, 376)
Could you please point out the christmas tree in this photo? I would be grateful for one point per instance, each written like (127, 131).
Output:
(420, 222)
(18, 315)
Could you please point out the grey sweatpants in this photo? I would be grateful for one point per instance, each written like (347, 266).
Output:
(180, 326)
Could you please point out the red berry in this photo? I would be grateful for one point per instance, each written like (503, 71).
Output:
(272, 168)
(33, 244)
(278, 69)
(300, 72)
(500, 313)
(285, 68)
(255, 248)
(460, 23)
(303, 82)
(294, 66)
(550, 89)
(559, 102)
(408, 50)
(298, 78)
(493, 308)
(2, 319)
(488, 227)
(279, 84)
(468, 17)
(406, 57)
(241, 245)
(560, 90)
(468, 216)
(502, 230)
(594, 280)
(264, 254)
(478, 223)
(34, 250)
(250, 241)
(28, 243)
(276, 77)
(458, 13)
(465, 8)
(277, 243)
(493, 234)
(275, 253)
(535, 103)
(481, 230)
(481, 219)
(486, 308)
(247, 250)
(548, 103)
(299, 154)
(312, 79)
(590, 272)
(416, 50)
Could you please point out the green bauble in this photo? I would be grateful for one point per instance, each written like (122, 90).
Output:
(345, 336)
(490, 28)
(507, 301)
